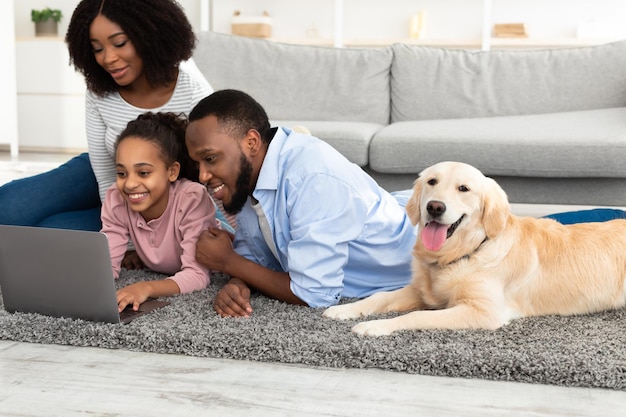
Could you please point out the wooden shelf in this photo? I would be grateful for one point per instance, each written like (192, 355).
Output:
(39, 38)
(496, 43)
(547, 43)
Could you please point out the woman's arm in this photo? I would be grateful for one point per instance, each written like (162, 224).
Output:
(199, 85)
(102, 163)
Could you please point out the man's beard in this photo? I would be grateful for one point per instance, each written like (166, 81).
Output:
(243, 188)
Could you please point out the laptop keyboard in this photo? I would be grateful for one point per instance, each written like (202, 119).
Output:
(128, 312)
(151, 304)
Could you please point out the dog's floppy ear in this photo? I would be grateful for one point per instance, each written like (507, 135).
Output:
(413, 205)
(496, 208)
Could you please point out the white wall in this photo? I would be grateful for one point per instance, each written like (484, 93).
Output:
(446, 19)
(49, 112)
(25, 28)
(8, 98)
(386, 19)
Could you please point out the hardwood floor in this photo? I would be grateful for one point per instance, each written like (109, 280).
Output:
(55, 380)
(27, 164)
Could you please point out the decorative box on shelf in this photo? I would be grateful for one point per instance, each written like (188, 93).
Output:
(253, 26)
(510, 30)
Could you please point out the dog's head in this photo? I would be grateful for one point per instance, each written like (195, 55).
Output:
(455, 202)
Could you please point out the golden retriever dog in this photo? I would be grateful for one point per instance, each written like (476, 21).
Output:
(476, 265)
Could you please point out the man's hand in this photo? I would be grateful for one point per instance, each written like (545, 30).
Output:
(233, 300)
(132, 261)
(134, 294)
(213, 249)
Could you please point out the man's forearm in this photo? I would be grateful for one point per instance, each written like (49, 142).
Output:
(270, 283)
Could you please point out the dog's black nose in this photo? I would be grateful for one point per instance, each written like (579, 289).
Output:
(435, 208)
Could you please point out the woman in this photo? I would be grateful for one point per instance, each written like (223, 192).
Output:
(130, 53)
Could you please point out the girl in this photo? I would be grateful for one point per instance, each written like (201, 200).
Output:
(162, 214)
(130, 53)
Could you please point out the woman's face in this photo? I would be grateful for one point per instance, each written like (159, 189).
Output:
(115, 52)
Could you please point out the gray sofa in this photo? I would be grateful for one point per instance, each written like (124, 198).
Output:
(548, 125)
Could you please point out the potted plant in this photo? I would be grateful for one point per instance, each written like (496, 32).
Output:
(46, 21)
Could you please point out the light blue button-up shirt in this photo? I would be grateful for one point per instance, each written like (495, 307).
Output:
(336, 232)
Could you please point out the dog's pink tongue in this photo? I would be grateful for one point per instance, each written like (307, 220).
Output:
(434, 235)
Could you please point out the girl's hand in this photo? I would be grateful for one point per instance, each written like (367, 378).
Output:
(134, 294)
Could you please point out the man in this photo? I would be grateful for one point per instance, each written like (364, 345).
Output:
(312, 226)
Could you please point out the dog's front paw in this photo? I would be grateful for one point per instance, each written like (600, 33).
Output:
(373, 328)
(341, 312)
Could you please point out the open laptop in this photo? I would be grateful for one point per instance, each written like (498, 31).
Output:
(61, 273)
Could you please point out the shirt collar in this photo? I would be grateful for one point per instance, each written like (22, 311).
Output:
(270, 170)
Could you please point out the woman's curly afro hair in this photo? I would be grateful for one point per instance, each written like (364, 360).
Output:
(158, 29)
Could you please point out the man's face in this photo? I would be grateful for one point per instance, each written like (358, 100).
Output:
(223, 165)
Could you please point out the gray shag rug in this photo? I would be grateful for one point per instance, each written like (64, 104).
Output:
(581, 351)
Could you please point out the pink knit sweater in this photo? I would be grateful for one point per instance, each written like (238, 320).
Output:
(167, 244)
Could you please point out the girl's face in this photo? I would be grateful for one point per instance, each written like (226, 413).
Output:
(143, 177)
(115, 52)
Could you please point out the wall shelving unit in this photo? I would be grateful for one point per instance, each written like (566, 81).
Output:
(485, 42)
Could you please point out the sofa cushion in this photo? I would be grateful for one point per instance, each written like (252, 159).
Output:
(579, 144)
(434, 83)
(295, 82)
(351, 139)
(536, 190)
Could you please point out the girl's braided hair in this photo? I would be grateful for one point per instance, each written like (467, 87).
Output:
(167, 131)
